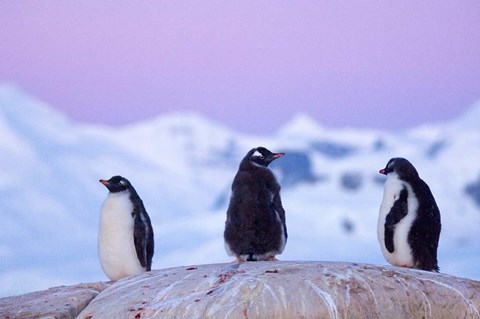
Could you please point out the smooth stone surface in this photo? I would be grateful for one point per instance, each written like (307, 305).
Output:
(288, 290)
(63, 302)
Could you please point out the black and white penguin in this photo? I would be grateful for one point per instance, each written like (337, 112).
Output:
(409, 220)
(125, 237)
(255, 228)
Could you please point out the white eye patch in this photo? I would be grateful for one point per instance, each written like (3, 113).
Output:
(257, 153)
(390, 165)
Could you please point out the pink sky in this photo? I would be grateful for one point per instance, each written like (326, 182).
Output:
(249, 64)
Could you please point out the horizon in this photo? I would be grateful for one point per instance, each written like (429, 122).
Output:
(288, 121)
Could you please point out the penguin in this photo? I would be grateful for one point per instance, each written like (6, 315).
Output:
(255, 228)
(409, 222)
(125, 237)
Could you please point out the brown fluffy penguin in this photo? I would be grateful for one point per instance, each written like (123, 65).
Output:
(255, 228)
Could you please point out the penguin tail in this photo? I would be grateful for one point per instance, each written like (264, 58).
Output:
(251, 257)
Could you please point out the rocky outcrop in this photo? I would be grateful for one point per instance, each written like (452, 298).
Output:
(287, 290)
(59, 302)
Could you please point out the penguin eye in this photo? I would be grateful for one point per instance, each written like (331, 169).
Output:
(261, 157)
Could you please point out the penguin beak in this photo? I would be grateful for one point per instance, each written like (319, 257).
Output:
(104, 182)
(278, 155)
(382, 171)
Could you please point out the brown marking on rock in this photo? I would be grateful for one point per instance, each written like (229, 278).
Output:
(275, 271)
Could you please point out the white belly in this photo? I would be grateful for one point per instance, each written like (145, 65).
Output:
(402, 254)
(116, 248)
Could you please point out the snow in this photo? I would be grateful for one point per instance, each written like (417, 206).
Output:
(301, 126)
(182, 166)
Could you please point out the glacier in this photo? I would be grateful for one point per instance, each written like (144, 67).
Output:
(182, 166)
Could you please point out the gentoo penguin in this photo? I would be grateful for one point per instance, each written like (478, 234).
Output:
(125, 237)
(255, 228)
(409, 221)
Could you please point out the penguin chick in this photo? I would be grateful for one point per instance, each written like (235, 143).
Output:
(125, 237)
(255, 227)
(409, 220)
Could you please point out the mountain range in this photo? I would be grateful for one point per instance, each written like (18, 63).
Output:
(182, 166)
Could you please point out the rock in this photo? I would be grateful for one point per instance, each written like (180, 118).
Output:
(59, 302)
(259, 290)
(288, 290)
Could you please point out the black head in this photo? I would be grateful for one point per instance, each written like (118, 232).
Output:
(116, 184)
(261, 156)
(402, 167)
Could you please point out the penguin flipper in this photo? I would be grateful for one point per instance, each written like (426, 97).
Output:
(150, 246)
(277, 204)
(274, 187)
(143, 237)
(139, 239)
(398, 211)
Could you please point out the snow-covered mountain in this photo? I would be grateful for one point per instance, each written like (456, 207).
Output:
(182, 166)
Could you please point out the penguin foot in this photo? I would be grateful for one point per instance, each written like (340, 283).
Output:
(271, 258)
(237, 261)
